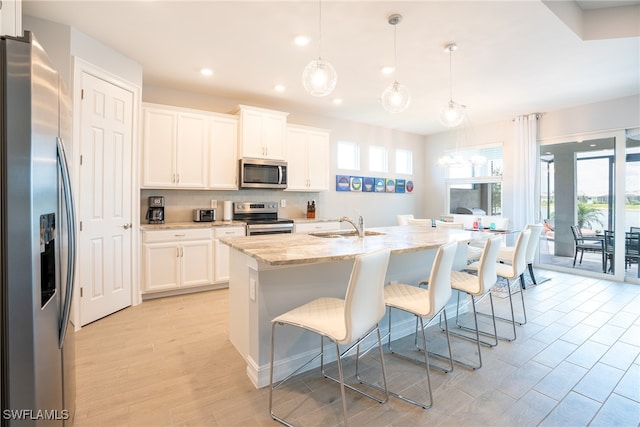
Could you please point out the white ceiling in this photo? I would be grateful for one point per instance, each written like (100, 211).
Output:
(514, 57)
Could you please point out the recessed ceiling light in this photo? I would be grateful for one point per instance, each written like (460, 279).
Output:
(206, 72)
(337, 101)
(280, 88)
(387, 69)
(301, 40)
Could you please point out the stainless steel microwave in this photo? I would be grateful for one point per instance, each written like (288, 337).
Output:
(263, 173)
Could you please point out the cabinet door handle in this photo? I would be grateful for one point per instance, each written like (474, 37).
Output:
(181, 252)
(179, 235)
(177, 178)
(177, 252)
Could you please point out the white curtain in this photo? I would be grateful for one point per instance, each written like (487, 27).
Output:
(526, 162)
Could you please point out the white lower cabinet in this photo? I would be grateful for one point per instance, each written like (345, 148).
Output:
(175, 259)
(222, 251)
(316, 226)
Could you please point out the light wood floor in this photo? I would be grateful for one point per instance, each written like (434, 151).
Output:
(168, 362)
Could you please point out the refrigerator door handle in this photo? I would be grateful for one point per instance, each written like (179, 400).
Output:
(71, 236)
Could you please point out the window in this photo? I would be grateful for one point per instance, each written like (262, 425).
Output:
(348, 155)
(378, 161)
(476, 185)
(404, 162)
(466, 166)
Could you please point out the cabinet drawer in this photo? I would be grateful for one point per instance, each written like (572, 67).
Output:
(314, 227)
(219, 232)
(176, 235)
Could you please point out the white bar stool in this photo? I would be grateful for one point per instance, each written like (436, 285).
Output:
(512, 271)
(345, 321)
(478, 287)
(425, 304)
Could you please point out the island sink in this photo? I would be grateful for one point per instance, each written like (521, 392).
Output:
(342, 234)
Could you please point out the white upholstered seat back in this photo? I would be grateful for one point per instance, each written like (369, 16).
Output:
(519, 262)
(443, 224)
(364, 300)
(487, 274)
(440, 277)
(403, 218)
(534, 240)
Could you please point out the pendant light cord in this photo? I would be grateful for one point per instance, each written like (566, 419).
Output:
(320, 29)
(450, 77)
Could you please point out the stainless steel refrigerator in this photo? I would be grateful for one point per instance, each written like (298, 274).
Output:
(37, 239)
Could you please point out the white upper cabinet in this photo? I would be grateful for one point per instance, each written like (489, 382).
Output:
(223, 154)
(307, 159)
(185, 148)
(262, 133)
(175, 145)
(11, 17)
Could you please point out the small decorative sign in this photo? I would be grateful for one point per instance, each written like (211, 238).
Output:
(368, 184)
(409, 186)
(356, 183)
(342, 183)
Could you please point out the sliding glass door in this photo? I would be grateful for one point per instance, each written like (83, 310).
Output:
(579, 199)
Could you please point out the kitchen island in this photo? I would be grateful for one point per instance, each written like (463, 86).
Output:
(272, 274)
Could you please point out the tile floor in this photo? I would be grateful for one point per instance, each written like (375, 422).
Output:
(168, 362)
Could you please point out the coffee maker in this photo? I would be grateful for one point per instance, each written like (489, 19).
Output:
(155, 213)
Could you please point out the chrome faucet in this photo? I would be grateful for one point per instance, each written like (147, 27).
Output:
(359, 227)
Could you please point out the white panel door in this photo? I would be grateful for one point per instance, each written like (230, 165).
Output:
(105, 198)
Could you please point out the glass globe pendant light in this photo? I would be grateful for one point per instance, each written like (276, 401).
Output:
(395, 98)
(319, 78)
(453, 114)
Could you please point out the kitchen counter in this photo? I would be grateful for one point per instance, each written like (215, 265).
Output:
(291, 249)
(305, 220)
(191, 224)
(272, 274)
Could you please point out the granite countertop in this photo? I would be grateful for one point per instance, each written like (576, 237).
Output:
(191, 224)
(303, 220)
(292, 249)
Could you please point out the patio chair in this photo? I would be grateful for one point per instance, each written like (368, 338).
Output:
(632, 249)
(584, 244)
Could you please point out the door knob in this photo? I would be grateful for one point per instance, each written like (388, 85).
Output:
(127, 226)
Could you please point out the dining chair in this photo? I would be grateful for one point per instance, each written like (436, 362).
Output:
(403, 218)
(477, 287)
(347, 322)
(425, 304)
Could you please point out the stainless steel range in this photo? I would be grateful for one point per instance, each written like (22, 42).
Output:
(261, 218)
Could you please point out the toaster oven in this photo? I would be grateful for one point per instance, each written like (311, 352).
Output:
(204, 215)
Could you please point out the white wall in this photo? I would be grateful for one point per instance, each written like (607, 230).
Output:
(62, 43)
(379, 209)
